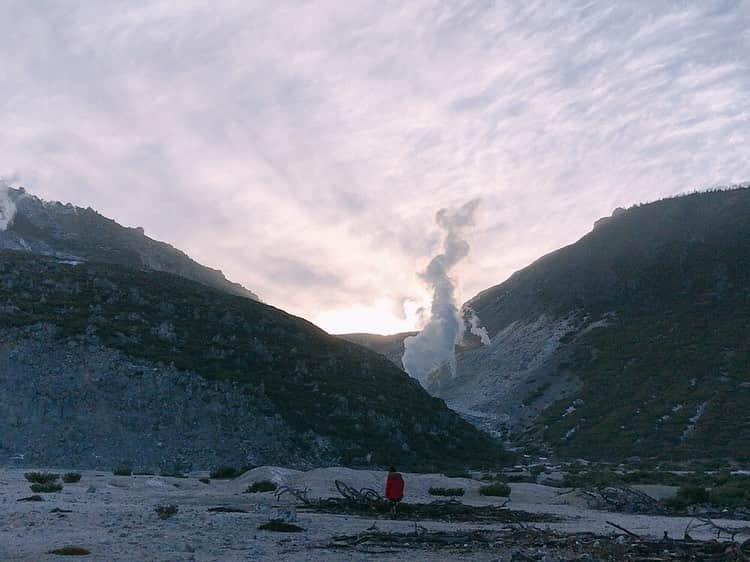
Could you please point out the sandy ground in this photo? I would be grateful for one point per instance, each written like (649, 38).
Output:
(114, 517)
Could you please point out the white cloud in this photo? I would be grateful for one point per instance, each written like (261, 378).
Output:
(305, 147)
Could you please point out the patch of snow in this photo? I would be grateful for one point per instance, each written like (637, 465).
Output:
(694, 421)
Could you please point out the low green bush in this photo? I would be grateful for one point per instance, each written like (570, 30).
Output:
(123, 471)
(166, 511)
(498, 489)
(688, 495)
(41, 477)
(70, 551)
(71, 477)
(458, 474)
(48, 488)
(734, 493)
(518, 477)
(261, 486)
(172, 475)
(225, 473)
(446, 491)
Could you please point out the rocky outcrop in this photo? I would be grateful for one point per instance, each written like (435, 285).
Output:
(77, 234)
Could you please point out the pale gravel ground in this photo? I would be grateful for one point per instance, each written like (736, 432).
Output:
(118, 522)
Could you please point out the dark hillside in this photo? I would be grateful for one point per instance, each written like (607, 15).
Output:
(323, 387)
(635, 340)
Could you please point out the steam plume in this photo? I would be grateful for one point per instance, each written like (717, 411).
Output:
(476, 328)
(434, 345)
(7, 207)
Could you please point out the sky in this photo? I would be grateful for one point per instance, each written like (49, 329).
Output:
(305, 148)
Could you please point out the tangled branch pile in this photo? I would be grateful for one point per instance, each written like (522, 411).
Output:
(622, 499)
(536, 544)
(368, 502)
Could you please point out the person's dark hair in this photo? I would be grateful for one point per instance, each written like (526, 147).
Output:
(392, 469)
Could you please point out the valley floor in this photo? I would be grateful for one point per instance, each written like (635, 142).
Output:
(114, 518)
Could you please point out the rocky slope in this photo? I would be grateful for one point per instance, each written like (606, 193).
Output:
(76, 234)
(100, 363)
(74, 402)
(635, 340)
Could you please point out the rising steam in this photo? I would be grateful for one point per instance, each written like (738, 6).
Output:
(7, 207)
(475, 327)
(435, 344)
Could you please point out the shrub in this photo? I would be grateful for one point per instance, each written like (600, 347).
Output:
(166, 511)
(70, 551)
(280, 527)
(167, 474)
(225, 473)
(122, 471)
(688, 495)
(71, 477)
(204, 480)
(730, 495)
(446, 491)
(47, 488)
(41, 477)
(261, 486)
(458, 474)
(499, 489)
(517, 477)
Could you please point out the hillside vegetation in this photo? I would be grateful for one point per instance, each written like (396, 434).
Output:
(354, 401)
(658, 304)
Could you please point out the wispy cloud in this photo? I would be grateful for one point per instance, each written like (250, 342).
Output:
(304, 147)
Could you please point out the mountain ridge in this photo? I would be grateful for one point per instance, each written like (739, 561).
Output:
(74, 233)
(632, 341)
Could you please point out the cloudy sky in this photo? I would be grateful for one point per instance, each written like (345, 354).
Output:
(305, 147)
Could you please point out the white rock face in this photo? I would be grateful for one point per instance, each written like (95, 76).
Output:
(495, 384)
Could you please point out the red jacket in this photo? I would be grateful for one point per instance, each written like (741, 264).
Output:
(394, 487)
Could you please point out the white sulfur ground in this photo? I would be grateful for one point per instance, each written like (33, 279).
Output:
(117, 521)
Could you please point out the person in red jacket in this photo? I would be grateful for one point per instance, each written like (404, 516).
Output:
(394, 488)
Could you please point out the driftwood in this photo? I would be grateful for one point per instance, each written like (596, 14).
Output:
(623, 529)
(368, 502)
(731, 532)
(535, 544)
